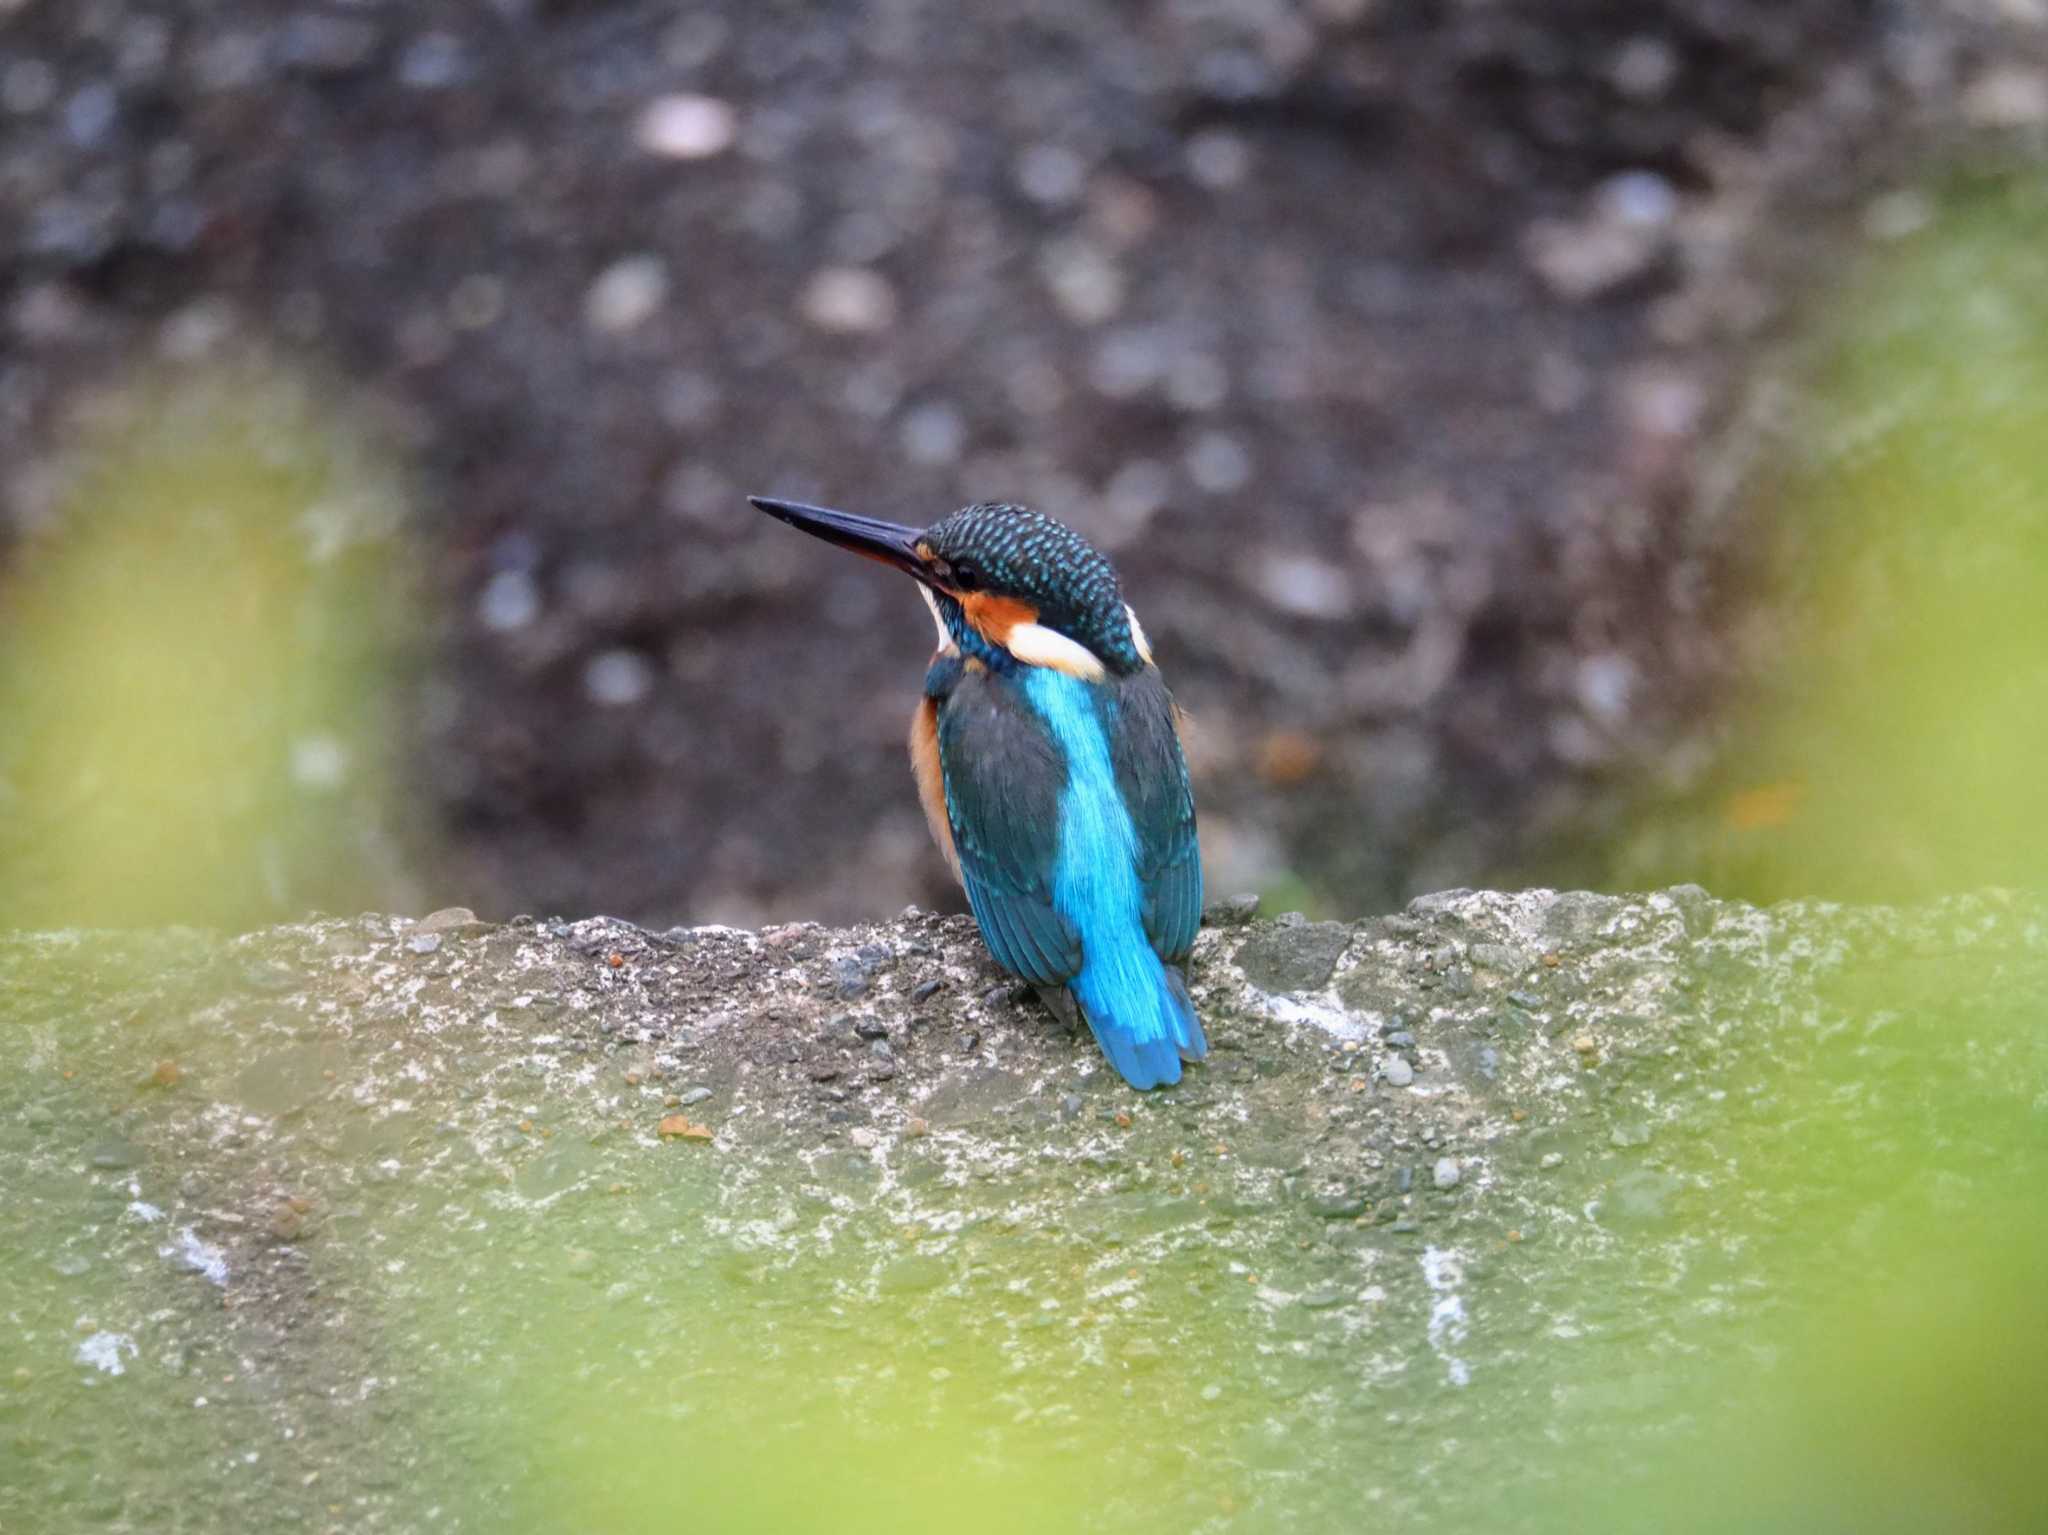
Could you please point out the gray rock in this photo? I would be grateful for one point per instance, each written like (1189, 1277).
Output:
(1447, 1173)
(1398, 1072)
(114, 1152)
(850, 977)
(1230, 911)
(1287, 957)
(1338, 1204)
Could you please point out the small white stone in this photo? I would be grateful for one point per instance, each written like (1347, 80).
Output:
(27, 86)
(1305, 585)
(933, 434)
(1218, 158)
(319, 762)
(1639, 199)
(1051, 175)
(509, 601)
(1605, 685)
(849, 301)
(1197, 382)
(1218, 463)
(687, 398)
(618, 678)
(1126, 364)
(626, 294)
(1643, 68)
(1134, 496)
(2007, 96)
(1448, 1172)
(1398, 1072)
(196, 331)
(686, 127)
(1085, 283)
(1896, 215)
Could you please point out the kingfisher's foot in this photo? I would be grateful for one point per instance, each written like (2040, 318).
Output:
(1060, 1003)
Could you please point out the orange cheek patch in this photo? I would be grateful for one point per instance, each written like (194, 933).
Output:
(994, 617)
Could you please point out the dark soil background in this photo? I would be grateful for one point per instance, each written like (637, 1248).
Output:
(1396, 352)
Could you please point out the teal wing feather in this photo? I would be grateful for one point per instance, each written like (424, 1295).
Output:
(1003, 777)
(1152, 775)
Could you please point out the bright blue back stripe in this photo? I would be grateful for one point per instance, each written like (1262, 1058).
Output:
(1122, 985)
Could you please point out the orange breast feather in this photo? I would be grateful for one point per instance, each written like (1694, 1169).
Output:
(931, 780)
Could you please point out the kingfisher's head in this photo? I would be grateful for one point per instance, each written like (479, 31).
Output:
(1005, 584)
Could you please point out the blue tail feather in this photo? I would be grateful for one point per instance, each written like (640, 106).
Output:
(1137, 1007)
(1145, 1024)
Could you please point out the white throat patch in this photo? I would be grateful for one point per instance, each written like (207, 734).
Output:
(1036, 645)
(938, 620)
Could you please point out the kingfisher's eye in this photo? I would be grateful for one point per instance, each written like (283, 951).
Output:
(966, 578)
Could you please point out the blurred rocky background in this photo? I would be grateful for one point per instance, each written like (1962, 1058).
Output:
(1449, 380)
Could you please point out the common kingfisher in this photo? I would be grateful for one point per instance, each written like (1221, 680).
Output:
(1049, 764)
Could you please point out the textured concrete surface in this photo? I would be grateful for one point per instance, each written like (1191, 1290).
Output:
(1500, 1169)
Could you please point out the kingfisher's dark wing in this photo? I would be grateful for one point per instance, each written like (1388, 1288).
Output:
(1153, 777)
(1003, 776)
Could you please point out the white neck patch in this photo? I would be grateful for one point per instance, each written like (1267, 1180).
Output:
(1036, 645)
(1138, 636)
(938, 620)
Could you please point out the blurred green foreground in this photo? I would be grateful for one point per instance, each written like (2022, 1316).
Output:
(197, 664)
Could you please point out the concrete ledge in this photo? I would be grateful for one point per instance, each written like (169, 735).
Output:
(1429, 1150)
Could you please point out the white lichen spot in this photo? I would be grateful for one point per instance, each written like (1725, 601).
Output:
(1444, 1272)
(198, 1255)
(105, 1351)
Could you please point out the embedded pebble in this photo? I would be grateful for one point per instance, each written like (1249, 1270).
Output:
(849, 301)
(686, 127)
(1341, 1204)
(1447, 1173)
(1306, 585)
(1085, 283)
(933, 434)
(1398, 1072)
(618, 678)
(1221, 465)
(626, 295)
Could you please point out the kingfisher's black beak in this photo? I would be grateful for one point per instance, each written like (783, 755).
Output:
(878, 540)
